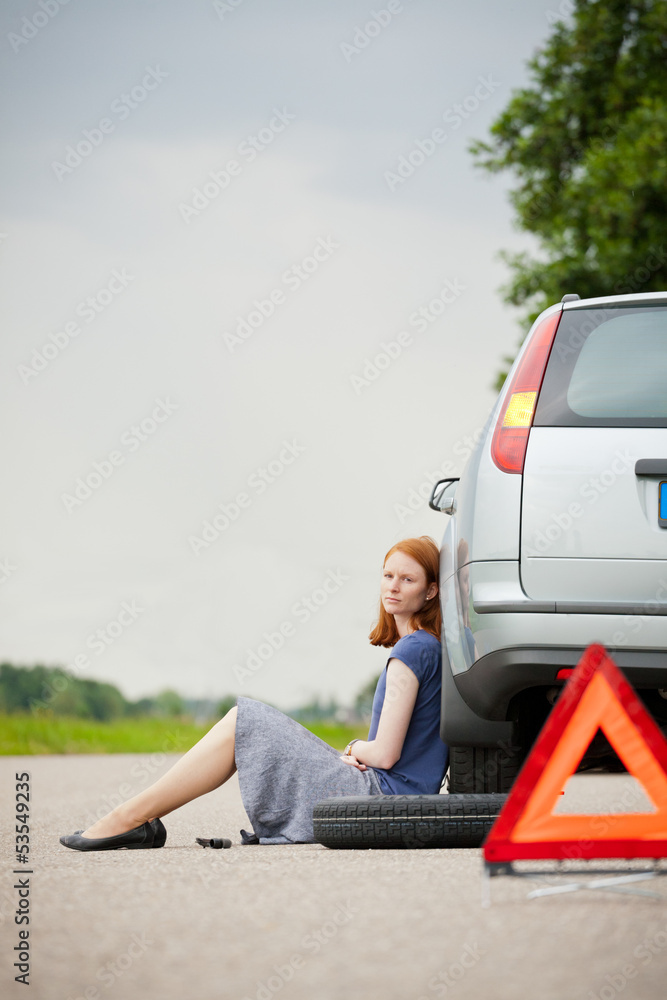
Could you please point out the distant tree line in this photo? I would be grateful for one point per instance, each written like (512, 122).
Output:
(53, 689)
(56, 690)
(331, 710)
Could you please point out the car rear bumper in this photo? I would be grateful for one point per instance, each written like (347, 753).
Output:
(513, 644)
(475, 703)
(494, 679)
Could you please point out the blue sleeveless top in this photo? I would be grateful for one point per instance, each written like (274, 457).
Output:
(423, 761)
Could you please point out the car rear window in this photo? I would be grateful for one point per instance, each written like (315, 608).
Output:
(608, 367)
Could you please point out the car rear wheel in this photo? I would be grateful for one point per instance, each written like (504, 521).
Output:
(408, 821)
(483, 770)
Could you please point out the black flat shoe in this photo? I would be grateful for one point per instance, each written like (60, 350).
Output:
(137, 839)
(159, 832)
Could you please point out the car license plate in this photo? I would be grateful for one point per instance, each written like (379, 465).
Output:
(662, 505)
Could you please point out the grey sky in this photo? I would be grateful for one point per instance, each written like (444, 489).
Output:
(286, 434)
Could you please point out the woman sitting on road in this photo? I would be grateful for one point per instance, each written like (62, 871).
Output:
(284, 770)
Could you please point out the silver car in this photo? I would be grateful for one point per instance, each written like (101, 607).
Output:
(557, 534)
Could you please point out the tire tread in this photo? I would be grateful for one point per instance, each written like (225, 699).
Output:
(407, 821)
(476, 770)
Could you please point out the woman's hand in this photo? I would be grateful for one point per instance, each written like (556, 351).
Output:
(351, 759)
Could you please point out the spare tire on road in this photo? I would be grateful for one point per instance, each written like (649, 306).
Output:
(409, 821)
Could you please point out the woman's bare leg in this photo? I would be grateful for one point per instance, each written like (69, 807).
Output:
(206, 766)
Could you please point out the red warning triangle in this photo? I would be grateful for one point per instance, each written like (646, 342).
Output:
(597, 696)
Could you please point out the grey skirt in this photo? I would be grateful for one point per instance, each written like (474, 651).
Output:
(284, 770)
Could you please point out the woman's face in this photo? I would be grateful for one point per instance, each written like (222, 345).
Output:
(404, 590)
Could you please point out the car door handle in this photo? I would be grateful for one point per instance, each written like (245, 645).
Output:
(651, 467)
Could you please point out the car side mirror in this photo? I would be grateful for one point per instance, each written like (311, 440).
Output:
(442, 496)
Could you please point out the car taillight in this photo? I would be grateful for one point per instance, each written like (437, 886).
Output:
(510, 438)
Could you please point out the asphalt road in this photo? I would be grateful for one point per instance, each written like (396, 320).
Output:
(302, 922)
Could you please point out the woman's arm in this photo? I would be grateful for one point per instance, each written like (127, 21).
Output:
(399, 701)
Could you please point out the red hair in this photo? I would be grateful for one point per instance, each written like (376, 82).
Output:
(425, 552)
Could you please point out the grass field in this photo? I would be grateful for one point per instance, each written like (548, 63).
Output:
(40, 733)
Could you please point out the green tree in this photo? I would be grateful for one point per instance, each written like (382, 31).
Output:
(169, 703)
(53, 689)
(26, 688)
(102, 701)
(144, 706)
(587, 142)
